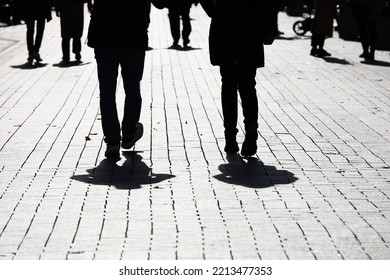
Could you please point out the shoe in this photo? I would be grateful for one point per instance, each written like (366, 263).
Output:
(313, 52)
(322, 53)
(364, 55)
(112, 151)
(30, 58)
(249, 147)
(231, 145)
(78, 57)
(129, 141)
(175, 46)
(37, 57)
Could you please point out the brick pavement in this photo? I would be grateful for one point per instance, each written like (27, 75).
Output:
(318, 187)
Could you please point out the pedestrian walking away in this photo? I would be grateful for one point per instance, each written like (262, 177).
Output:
(35, 14)
(325, 13)
(71, 13)
(238, 31)
(180, 9)
(118, 34)
(367, 13)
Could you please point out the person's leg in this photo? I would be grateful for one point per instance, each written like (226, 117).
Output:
(314, 45)
(30, 24)
(373, 35)
(39, 36)
(107, 68)
(185, 17)
(174, 21)
(76, 41)
(363, 34)
(65, 49)
(229, 105)
(132, 64)
(248, 95)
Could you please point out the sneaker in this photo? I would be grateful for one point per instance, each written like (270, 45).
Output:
(249, 147)
(129, 141)
(112, 151)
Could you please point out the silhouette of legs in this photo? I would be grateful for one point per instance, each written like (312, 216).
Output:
(132, 64)
(242, 78)
(33, 46)
(368, 37)
(175, 14)
(174, 21)
(317, 44)
(185, 17)
(76, 48)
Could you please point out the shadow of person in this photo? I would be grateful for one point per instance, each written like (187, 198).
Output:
(66, 64)
(29, 65)
(376, 63)
(132, 174)
(252, 173)
(336, 60)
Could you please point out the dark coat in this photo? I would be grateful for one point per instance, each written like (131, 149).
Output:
(366, 10)
(238, 30)
(35, 9)
(71, 13)
(325, 13)
(120, 23)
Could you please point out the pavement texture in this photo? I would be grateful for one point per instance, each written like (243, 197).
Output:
(318, 188)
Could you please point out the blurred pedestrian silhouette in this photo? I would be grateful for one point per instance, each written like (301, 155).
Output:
(71, 13)
(35, 13)
(118, 34)
(367, 13)
(278, 6)
(180, 9)
(238, 31)
(325, 13)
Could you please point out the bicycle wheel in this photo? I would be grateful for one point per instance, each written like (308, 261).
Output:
(299, 28)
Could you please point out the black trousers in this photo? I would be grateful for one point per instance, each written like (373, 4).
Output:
(76, 47)
(131, 61)
(174, 20)
(35, 45)
(368, 34)
(240, 78)
(317, 40)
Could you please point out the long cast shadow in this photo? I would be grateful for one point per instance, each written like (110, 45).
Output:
(252, 173)
(133, 174)
(28, 65)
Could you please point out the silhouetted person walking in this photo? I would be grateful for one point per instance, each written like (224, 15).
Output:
(325, 13)
(238, 31)
(35, 13)
(367, 13)
(118, 34)
(180, 9)
(71, 13)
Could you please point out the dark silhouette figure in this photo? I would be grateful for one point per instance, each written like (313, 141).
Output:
(325, 13)
(367, 13)
(71, 13)
(278, 5)
(118, 34)
(35, 13)
(238, 31)
(180, 9)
